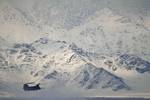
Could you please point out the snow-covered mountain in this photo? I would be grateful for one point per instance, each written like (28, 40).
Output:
(106, 30)
(61, 59)
(51, 62)
(126, 61)
(67, 62)
(66, 43)
(44, 60)
(91, 77)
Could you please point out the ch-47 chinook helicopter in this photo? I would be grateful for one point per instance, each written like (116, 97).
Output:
(31, 86)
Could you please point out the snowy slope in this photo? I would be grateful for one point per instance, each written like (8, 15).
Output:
(109, 32)
(92, 77)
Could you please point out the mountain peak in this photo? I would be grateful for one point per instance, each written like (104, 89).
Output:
(43, 40)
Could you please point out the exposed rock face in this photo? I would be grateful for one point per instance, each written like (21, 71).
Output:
(133, 62)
